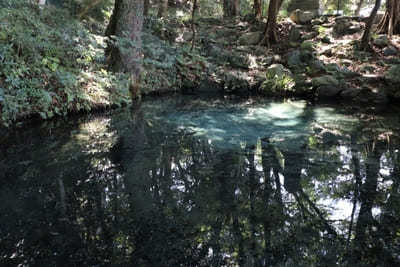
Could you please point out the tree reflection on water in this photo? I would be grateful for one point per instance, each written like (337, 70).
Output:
(128, 190)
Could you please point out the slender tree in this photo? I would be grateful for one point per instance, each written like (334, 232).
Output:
(127, 22)
(367, 32)
(358, 8)
(257, 9)
(270, 35)
(146, 7)
(390, 22)
(231, 8)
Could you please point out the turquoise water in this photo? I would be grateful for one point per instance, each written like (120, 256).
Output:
(204, 182)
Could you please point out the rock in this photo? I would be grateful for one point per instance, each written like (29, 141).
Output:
(381, 41)
(187, 36)
(316, 66)
(326, 80)
(294, 34)
(311, 5)
(237, 60)
(236, 82)
(392, 75)
(354, 28)
(350, 93)
(307, 45)
(278, 70)
(325, 91)
(279, 80)
(326, 39)
(369, 96)
(327, 52)
(342, 25)
(294, 58)
(390, 51)
(266, 61)
(301, 17)
(346, 62)
(250, 38)
(367, 68)
(317, 21)
(298, 59)
(225, 32)
(310, 35)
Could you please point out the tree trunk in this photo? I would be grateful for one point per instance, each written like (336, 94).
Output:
(127, 22)
(257, 9)
(162, 8)
(367, 32)
(358, 9)
(231, 8)
(270, 35)
(146, 7)
(390, 22)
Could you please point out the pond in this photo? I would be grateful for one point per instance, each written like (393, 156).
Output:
(189, 181)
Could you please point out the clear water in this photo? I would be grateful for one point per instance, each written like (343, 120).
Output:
(203, 182)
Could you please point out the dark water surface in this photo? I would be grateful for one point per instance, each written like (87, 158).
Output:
(186, 182)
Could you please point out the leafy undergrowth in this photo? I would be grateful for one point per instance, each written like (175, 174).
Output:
(51, 65)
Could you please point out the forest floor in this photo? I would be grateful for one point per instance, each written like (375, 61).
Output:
(321, 60)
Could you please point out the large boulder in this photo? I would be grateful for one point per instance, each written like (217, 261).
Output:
(250, 38)
(327, 91)
(326, 80)
(302, 17)
(390, 51)
(279, 81)
(342, 26)
(295, 34)
(309, 5)
(381, 41)
(345, 25)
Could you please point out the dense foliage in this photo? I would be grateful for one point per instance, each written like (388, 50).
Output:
(50, 64)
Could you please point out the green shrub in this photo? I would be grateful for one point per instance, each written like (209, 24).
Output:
(50, 64)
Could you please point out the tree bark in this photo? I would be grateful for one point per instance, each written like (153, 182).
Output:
(367, 32)
(193, 28)
(257, 9)
(231, 8)
(390, 23)
(146, 7)
(358, 9)
(162, 8)
(127, 22)
(270, 35)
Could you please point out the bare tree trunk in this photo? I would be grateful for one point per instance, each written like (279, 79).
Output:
(231, 8)
(162, 8)
(270, 36)
(367, 32)
(127, 22)
(193, 28)
(358, 9)
(257, 9)
(390, 23)
(146, 7)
